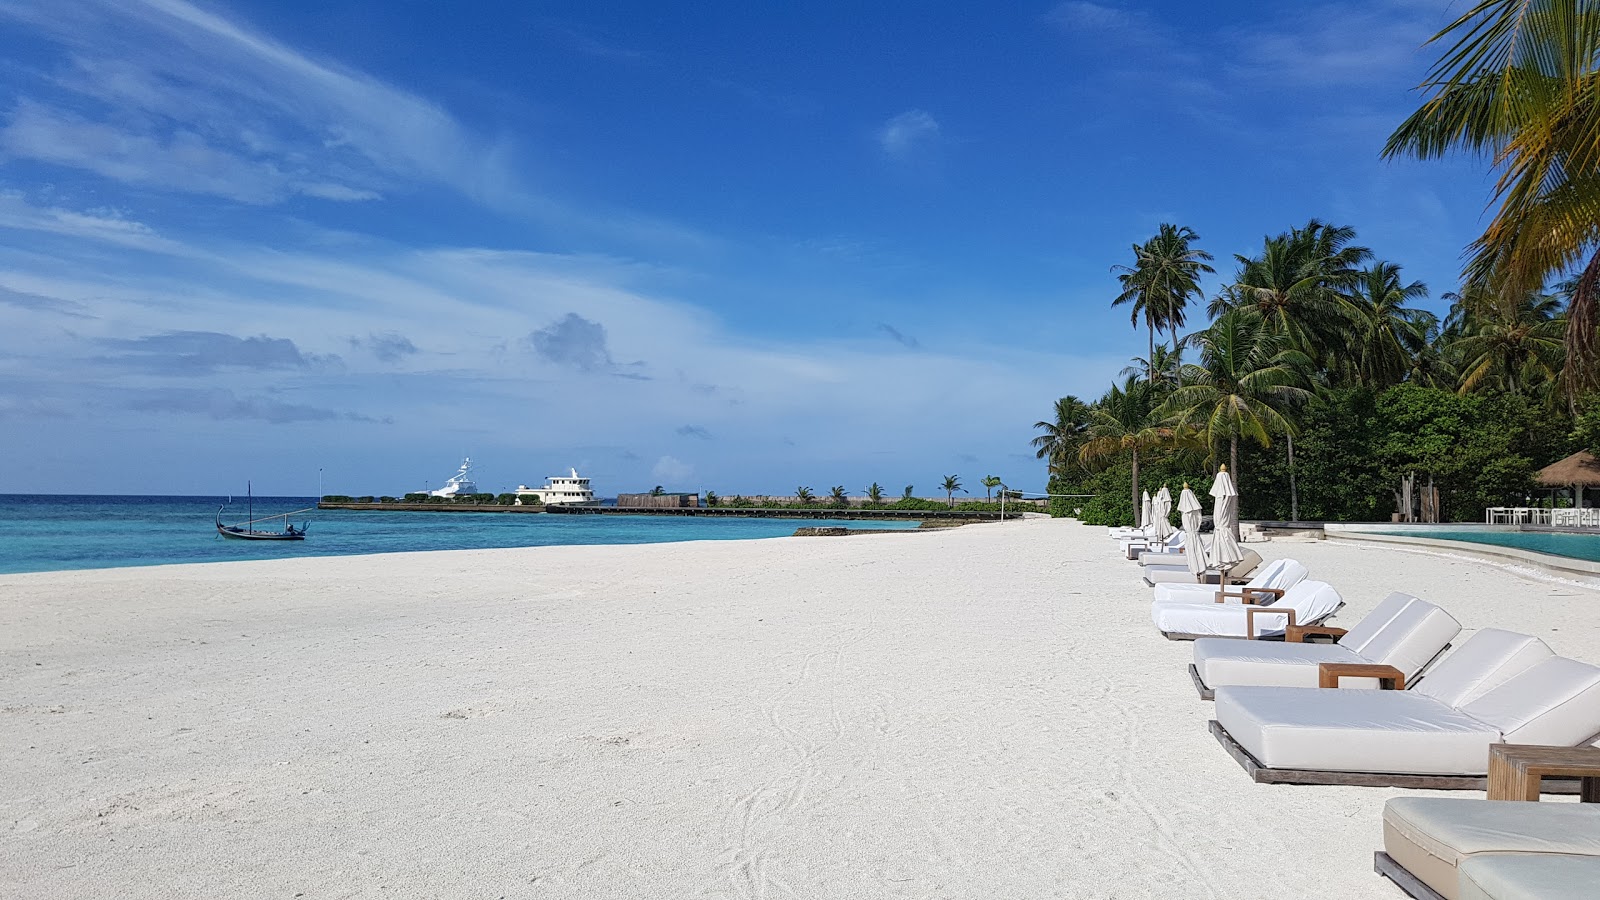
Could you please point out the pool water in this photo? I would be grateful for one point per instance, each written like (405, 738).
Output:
(1572, 546)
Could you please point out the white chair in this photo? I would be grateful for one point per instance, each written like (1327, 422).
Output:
(1498, 687)
(1401, 632)
(1273, 578)
(1307, 603)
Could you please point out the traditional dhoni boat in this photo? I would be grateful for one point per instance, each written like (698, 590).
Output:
(246, 530)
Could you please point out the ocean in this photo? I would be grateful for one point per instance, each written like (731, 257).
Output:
(46, 533)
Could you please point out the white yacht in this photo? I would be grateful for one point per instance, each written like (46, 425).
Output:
(461, 483)
(558, 490)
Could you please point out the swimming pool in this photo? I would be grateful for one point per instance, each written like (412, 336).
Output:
(1571, 546)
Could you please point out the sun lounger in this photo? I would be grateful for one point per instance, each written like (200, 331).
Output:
(1459, 849)
(1307, 603)
(1178, 573)
(1520, 876)
(1402, 633)
(1135, 548)
(1165, 555)
(1270, 580)
(1497, 687)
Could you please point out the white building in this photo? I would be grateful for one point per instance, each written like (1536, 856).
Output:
(558, 490)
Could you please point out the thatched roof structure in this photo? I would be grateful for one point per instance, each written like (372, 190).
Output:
(1580, 468)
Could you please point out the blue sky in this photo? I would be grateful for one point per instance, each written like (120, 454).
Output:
(714, 245)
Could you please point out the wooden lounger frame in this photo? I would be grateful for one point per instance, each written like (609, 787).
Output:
(1265, 775)
(1385, 865)
(1205, 692)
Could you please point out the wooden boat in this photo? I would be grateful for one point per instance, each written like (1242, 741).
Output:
(244, 531)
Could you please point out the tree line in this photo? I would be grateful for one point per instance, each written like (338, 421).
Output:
(1316, 376)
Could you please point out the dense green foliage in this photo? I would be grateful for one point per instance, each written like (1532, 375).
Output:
(1321, 388)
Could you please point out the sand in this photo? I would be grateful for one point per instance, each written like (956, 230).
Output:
(979, 712)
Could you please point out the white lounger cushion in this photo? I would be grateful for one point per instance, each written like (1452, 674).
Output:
(1310, 600)
(1373, 624)
(1354, 731)
(1556, 702)
(1221, 661)
(1409, 633)
(1411, 639)
(1432, 836)
(1169, 574)
(1281, 574)
(1521, 876)
(1483, 662)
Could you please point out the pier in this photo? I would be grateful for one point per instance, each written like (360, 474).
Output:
(852, 513)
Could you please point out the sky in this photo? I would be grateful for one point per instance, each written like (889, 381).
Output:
(340, 245)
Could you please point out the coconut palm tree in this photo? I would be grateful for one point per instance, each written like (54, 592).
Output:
(1387, 334)
(906, 494)
(803, 494)
(1165, 274)
(1245, 385)
(837, 496)
(1059, 443)
(1123, 424)
(1507, 342)
(1519, 84)
(952, 483)
(1299, 286)
(875, 493)
(1164, 368)
(712, 498)
(990, 482)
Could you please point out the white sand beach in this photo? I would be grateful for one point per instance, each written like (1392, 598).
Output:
(980, 712)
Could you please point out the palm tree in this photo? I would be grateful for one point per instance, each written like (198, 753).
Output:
(1298, 286)
(990, 482)
(1165, 274)
(657, 491)
(1509, 342)
(711, 498)
(1244, 386)
(836, 494)
(1387, 334)
(1164, 368)
(1123, 424)
(875, 493)
(1520, 86)
(803, 494)
(1061, 438)
(952, 483)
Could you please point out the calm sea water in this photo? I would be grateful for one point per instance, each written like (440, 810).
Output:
(50, 533)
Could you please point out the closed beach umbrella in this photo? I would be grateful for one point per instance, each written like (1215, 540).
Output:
(1161, 511)
(1144, 511)
(1225, 550)
(1194, 553)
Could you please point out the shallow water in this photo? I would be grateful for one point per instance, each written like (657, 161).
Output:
(51, 533)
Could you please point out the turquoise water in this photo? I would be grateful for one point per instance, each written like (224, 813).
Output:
(50, 533)
(1573, 546)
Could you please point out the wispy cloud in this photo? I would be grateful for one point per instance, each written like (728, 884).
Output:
(908, 133)
(671, 471)
(899, 337)
(204, 352)
(388, 347)
(694, 431)
(219, 403)
(1080, 15)
(192, 89)
(573, 341)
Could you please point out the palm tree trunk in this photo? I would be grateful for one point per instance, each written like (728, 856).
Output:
(1177, 368)
(1294, 490)
(1150, 361)
(1582, 371)
(1136, 487)
(1233, 466)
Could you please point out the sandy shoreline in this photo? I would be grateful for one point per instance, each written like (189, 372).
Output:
(978, 712)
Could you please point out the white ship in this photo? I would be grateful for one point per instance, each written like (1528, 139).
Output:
(558, 490)
(461, 483)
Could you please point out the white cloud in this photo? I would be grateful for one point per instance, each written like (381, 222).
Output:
(1084, 16)
(191, 88)
(908, 132)
(671, 471)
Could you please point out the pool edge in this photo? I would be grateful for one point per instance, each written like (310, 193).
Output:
(1583, 570)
